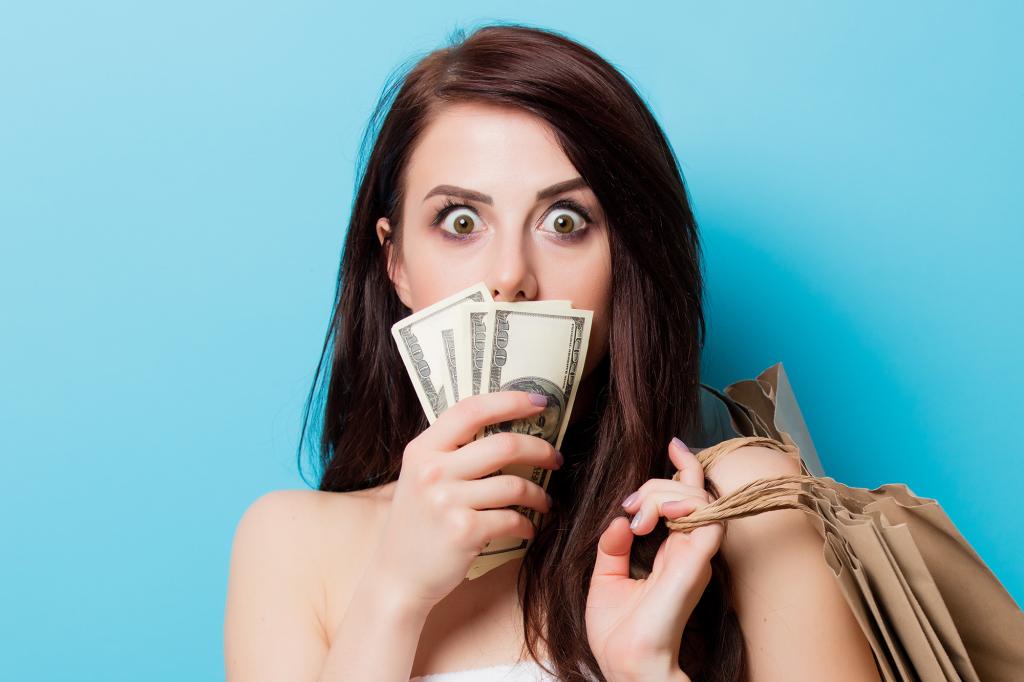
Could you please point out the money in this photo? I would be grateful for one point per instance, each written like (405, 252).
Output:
(538, 349)
(469, 344)
(421, 345)
(474, 321)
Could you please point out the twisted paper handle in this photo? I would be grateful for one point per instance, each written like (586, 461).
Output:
(760, 495)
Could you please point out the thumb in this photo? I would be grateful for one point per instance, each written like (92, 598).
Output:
(708, 538)
(613, 550)
(686, 568)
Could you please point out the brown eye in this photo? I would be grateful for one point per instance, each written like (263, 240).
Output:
(564, 223)
(463, 224)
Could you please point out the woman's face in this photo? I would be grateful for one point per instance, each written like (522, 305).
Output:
(512, 228)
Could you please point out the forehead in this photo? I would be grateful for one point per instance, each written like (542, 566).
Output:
(487, 147)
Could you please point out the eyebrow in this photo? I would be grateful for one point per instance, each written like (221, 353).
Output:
(557, 188)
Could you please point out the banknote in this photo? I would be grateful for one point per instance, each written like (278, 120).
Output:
(539, 351)
(421, 345)
(468, 344)
(472, 321)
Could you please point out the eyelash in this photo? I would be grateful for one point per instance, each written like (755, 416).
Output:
(450, 205)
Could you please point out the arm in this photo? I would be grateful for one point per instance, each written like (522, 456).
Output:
(272, 630)
(377, 637)
(794, 618)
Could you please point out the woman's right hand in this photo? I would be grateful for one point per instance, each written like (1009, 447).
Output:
(443, 511)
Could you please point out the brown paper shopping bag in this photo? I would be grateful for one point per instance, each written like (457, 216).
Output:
(929, 606)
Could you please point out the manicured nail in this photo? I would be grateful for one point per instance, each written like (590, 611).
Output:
(538, 399)
(636, 520)
(559, 458)
(671, 507)
(550, 501)
(680, 444)
(630, 500)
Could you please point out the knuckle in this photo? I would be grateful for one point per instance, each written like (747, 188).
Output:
(472, 410)
(516, 486)
(505, 444)
(461, 525)
(429, 472)
(439, 497)
(517, 523)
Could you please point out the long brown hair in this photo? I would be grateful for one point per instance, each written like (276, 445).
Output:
(648, 382)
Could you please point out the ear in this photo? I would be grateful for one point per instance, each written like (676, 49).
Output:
(396, 269)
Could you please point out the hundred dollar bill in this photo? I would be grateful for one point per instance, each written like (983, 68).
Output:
(420, 344)
(472, 322)
(539, 351)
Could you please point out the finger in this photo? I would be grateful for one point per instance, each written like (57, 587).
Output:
(685, 569)
(505, 490)
(502, 523)
(677, 509)
(651, 509)
(490, 453)
(613, 550)
(658, 485)
(460, 423)
(690, 468)
(708, 539)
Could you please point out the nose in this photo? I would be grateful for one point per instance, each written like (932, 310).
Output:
(511, 276)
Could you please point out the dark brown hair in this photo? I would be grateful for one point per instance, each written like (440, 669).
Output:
(648, 382)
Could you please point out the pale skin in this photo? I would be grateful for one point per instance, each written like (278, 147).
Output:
(313, 594)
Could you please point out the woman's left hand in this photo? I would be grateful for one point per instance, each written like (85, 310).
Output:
(635, 626)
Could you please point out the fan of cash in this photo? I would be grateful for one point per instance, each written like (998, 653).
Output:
(468, 344)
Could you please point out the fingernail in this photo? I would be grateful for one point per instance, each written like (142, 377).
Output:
(636, 520)
(680, 444)
(559, 458)
(630, 500)
(538, 399)
(550, 501)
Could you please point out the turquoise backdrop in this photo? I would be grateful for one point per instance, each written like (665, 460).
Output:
(174, 184)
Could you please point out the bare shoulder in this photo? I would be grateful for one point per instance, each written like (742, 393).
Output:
(276, 602)
(745, 464)
(794, 618)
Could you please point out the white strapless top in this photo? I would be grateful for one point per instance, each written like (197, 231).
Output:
(522, 671)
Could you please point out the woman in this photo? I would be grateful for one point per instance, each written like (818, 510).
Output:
(524, 160)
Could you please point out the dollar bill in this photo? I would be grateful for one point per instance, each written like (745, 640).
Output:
(473, 321)
(468, 344)
(421, 345)
(539, 351)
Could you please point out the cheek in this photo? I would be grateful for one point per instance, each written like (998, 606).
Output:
(433, 273)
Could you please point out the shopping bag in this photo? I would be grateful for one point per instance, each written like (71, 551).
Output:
(928, 605)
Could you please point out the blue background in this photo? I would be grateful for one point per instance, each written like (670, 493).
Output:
(175, 184)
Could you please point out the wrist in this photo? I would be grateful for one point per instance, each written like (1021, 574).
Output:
(393, 600)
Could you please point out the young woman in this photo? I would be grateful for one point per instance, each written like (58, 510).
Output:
(524, 160)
